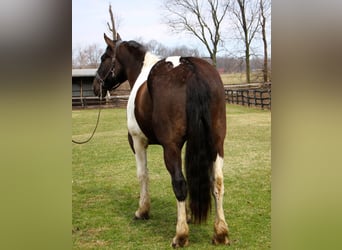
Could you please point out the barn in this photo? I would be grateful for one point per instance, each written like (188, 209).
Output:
(82, 90)
(83, 95)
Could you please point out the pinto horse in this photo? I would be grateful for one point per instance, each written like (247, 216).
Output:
(173, 101)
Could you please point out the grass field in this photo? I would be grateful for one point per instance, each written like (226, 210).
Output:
(105, 190)
(239, 78)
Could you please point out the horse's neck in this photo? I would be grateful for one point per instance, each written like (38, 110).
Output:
(149, 60)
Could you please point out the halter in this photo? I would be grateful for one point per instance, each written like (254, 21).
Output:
(102, 81)
(111, 70)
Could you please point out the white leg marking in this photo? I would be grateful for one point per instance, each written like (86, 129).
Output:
(140, 145)
(220, 227)
(218, 186)
(175, 60)
(182, 228)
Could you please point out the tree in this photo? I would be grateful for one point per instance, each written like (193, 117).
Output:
(156, 48)
(112, 26)
(200, 18)
(265, 7)
(246, 13)
(183, 51)
(159, 49)
(87, 57)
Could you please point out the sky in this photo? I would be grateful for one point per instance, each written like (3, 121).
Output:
(140, 20)
(137, 19)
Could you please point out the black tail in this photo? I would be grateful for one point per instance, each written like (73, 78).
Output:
(200, 152)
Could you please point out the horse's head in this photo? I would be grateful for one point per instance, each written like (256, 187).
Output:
(109, 75)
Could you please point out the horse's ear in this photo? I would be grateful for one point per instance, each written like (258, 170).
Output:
(108, 41)
(118, 37)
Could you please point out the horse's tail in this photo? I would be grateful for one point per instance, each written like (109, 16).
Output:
(200, 152)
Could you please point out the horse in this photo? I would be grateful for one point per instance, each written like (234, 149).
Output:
(173, 101)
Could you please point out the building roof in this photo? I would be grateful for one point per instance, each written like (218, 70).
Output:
(83, 72)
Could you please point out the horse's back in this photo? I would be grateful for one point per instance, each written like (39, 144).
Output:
(173, 73)
(169, 84)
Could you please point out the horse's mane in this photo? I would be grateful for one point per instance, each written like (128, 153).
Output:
(137, 45)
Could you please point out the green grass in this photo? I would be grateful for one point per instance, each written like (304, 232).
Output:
(239, 78)
(105, 190)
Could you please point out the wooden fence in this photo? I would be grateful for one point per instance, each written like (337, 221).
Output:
(117, 99)
(251, 95)
(94, 102)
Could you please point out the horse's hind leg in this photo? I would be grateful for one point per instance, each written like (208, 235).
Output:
(140, 146)
(173, 162)
(220, 226)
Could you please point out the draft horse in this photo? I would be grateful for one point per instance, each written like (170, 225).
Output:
(172, 101)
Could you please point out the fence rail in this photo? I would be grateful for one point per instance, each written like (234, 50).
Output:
(94, 102)
(251, 95)
(255, 95)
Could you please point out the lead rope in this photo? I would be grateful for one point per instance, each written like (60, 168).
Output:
(97, 122)
(100, 106)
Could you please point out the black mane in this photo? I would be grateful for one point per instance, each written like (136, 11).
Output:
(136, 45)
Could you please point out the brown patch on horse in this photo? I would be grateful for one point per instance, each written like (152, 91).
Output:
(167, 87)
(218, 185)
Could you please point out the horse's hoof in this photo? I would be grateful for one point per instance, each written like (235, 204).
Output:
(221, 239)
(144, 216)
(220, 233)
(180, 242)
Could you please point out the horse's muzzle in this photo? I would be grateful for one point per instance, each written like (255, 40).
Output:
(98, 88)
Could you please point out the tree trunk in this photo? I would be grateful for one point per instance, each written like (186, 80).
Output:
(213, 58)
(263, 31)
(265, 69)
(248, 66)
(246, 38)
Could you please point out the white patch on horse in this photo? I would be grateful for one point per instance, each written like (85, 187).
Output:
(132, 124)
(182, 228)
(220, 226)
(175, 60)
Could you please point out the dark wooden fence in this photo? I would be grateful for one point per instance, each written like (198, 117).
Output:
(94, 102)
(251, 95)
(117, 99)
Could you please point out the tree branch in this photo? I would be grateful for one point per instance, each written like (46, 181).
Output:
(112, 29)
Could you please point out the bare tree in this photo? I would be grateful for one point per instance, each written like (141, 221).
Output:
(159, 49)
(184, 51)
(265, 8)
(87, 57)
(94, 53)
(200, 18)
(113, 26)
(156, 47)
(246, 13)
(80, 59)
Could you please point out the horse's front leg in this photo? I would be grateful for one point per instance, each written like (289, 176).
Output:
(220, 226)
(173, 161)
(140, 146)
